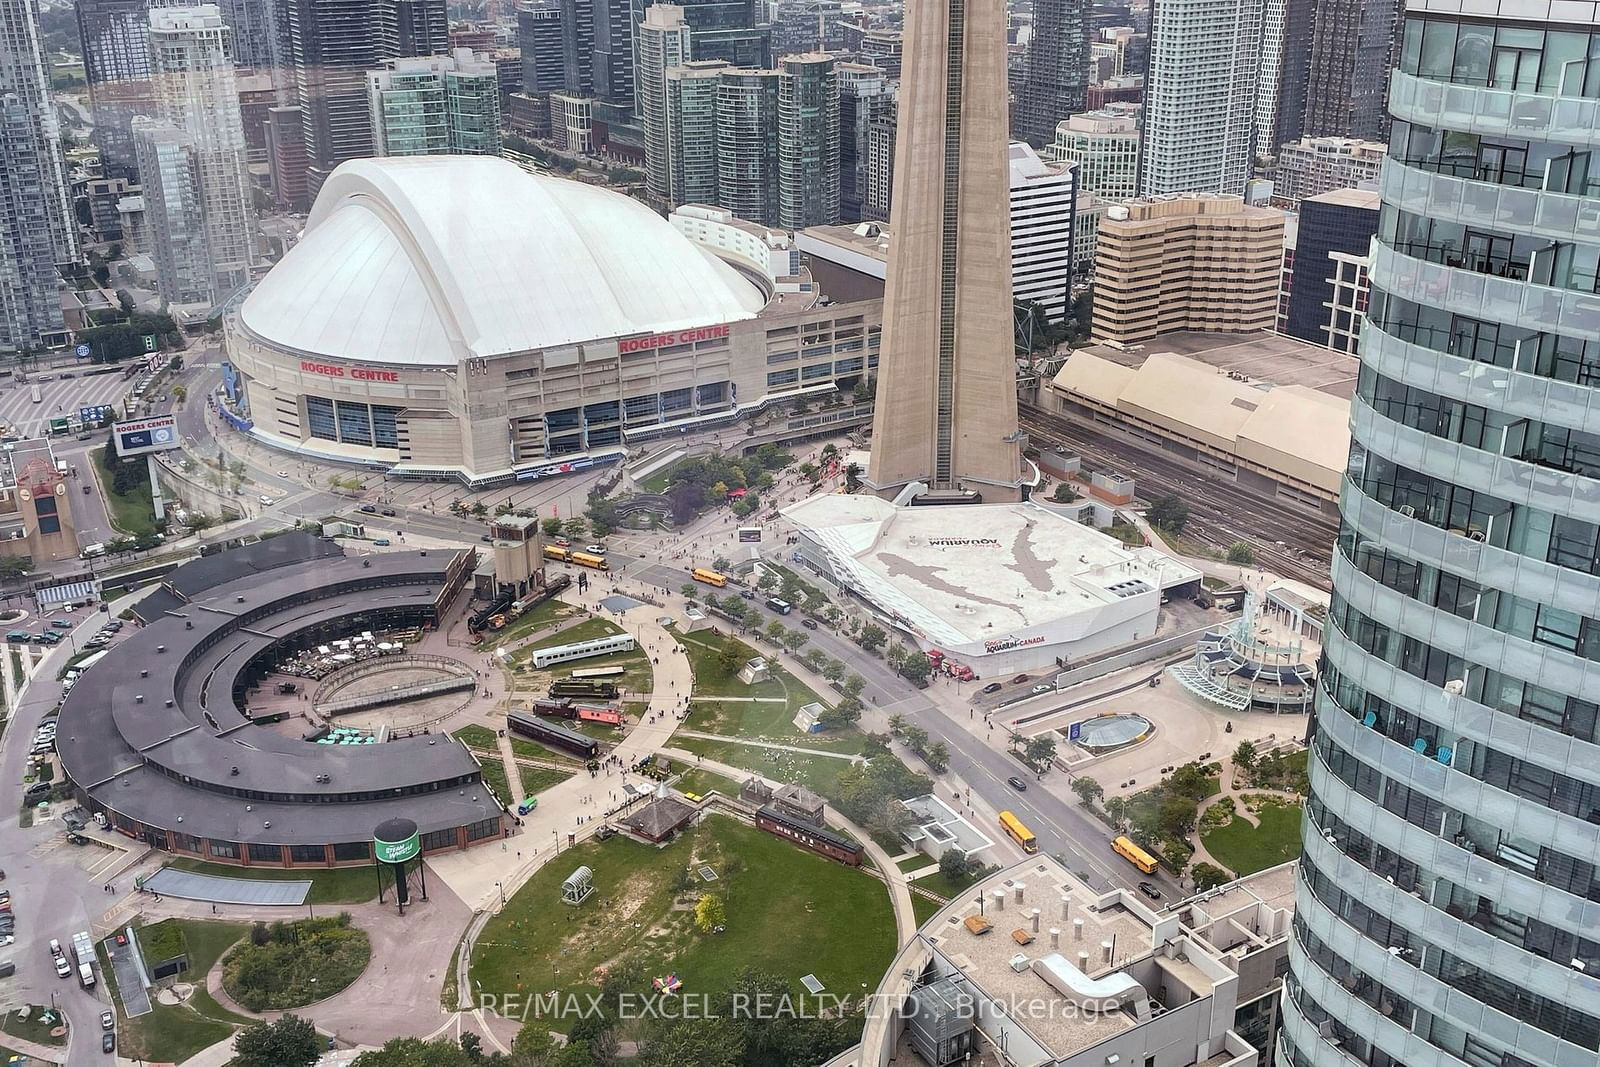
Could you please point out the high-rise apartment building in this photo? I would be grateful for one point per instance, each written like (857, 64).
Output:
(435, 105)
(866, 95)
(1447, 904)
(116, 64)
(198, 120)
(1043, 202)
(808, 142)
(38, 232)
(252, 26)
(332, 44)
(1057, 73)
(879, 197)
(1195, 262)
(174, 212)
(286, 159)
(807, 26)
(1315, 165)
(1299, 20)
(747, 144)
(663, 44)
(720, 29)
(882, 47)
(1347, 77)
(1269, 77)
(1104, 145)
(1199, 114)
(692, 131)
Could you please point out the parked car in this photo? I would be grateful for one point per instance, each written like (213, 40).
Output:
(63, 968)
(810, 624)
(1149, 890)
(108, 1041)
(563, 542)
(606, 832)
(114, 625)
(61, 624)
(108, 1021)
(486, 538)
(1019, 679)
(367, 509)
(992, 687)
(386, 511)
(1017, 783)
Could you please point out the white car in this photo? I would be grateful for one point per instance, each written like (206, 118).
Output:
(598, 550)
(266, 501)
(282, 474)
(63, 968)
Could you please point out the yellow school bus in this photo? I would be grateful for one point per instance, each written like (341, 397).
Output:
(700, 574)
(585, 559)
(555, 552)
(1124, 847)
(1019, 833)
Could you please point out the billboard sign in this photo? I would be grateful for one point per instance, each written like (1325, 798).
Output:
(749, 533)
(96, 414)
(136, 437)
(82, 352)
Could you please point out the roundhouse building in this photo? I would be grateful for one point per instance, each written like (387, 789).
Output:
(155, 734)
(455, 317)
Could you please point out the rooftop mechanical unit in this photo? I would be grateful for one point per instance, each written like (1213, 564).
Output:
(942, 1022)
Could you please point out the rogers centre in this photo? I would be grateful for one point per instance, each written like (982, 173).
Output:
(453, 317)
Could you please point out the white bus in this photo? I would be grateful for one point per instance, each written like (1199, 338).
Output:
(34, 394)
(600, 646)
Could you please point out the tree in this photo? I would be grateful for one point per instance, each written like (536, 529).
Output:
(690, 591)
(852, 477)
(1239, 552)
(709, 913)
(730, 657)
(853, 685)
(551, 527)
(833, 669)
(768, 581)
(289, 1042)
(795, 640)
(916, 670)
(937, 757)
(1064, 493)
(1089, 791)
(845, 713)
(1177, 815)
(775, 631)
(179, 393)
(699, 1042)
(534, 1044)
(915, 737)
(1117, 812)
(1040, 752)
(954, 865)
(1245, 757)
(1208, 876)
(872, 637)
(897, 724)
(1169, 513)
(15, 566)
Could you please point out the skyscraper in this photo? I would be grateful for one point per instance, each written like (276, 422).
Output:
(332, 44)
(1105, 146)
(879, 197)
(435, 105)
(866, 95)
(116, 64)
(539, 35)
(252, 25)
(747, 144)
(197, 104)
(1042, 205)
(1199, 118)
(946, 414)
(808, 142)
(692, 132)
(1056, 79)
(1446, 907)
(37, 229)
(1352, 48)
(174, 211)
(663, 44)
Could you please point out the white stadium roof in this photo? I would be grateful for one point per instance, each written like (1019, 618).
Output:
(429, 259)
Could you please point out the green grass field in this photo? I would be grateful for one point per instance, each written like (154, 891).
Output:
(637, 676)
(1245, 849)
(538, 779)
(174, 1032)
(33, 1028)
(494, 773)
(764, 720)
(923, 908)
(539, 615)
(789, 912)
(820, 774)
(329, 885)
(700, 782)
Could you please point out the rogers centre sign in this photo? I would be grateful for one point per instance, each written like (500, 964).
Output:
(357, 374)
(667, 340)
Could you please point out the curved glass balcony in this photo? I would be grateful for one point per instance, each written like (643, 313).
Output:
(1485, 205)
(1474, 109)
(1513, 392)
(1485, 296)
(1512, 480)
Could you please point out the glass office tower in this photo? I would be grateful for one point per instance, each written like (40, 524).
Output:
(1449, 902)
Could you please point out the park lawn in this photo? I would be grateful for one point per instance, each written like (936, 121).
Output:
(938, 884)
(923, 908)
(174, 1032)
(789, 912)
(538, 779)
(699, 781)
(1245, 849)
(764, 720)
(494, 775)
(484, 742)
(820, 774)
(33, 1028)
(329, 885)
(540, 615)
(913, 863)
(704, 648)
(477, 737)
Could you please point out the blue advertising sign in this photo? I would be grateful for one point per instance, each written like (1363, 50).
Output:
(81, 352)
(1074, 731)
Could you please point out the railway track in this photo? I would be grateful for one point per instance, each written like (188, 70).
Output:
(1281, 536)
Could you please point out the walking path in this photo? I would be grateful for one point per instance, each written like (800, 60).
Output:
(905, 917)
(44, 1053)
(849, 756)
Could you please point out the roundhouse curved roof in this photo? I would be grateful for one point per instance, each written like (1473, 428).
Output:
(429, 259)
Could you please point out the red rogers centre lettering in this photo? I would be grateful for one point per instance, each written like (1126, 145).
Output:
(667, 340)
(358, 374)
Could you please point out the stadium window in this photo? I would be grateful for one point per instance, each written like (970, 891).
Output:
(355, 423)
(319, 418)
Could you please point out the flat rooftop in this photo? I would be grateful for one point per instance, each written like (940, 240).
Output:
(974, 572)
(1063, 1028)
(1263, 356)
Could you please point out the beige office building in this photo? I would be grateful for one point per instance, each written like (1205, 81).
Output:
(1188, 262)
(946, 412)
